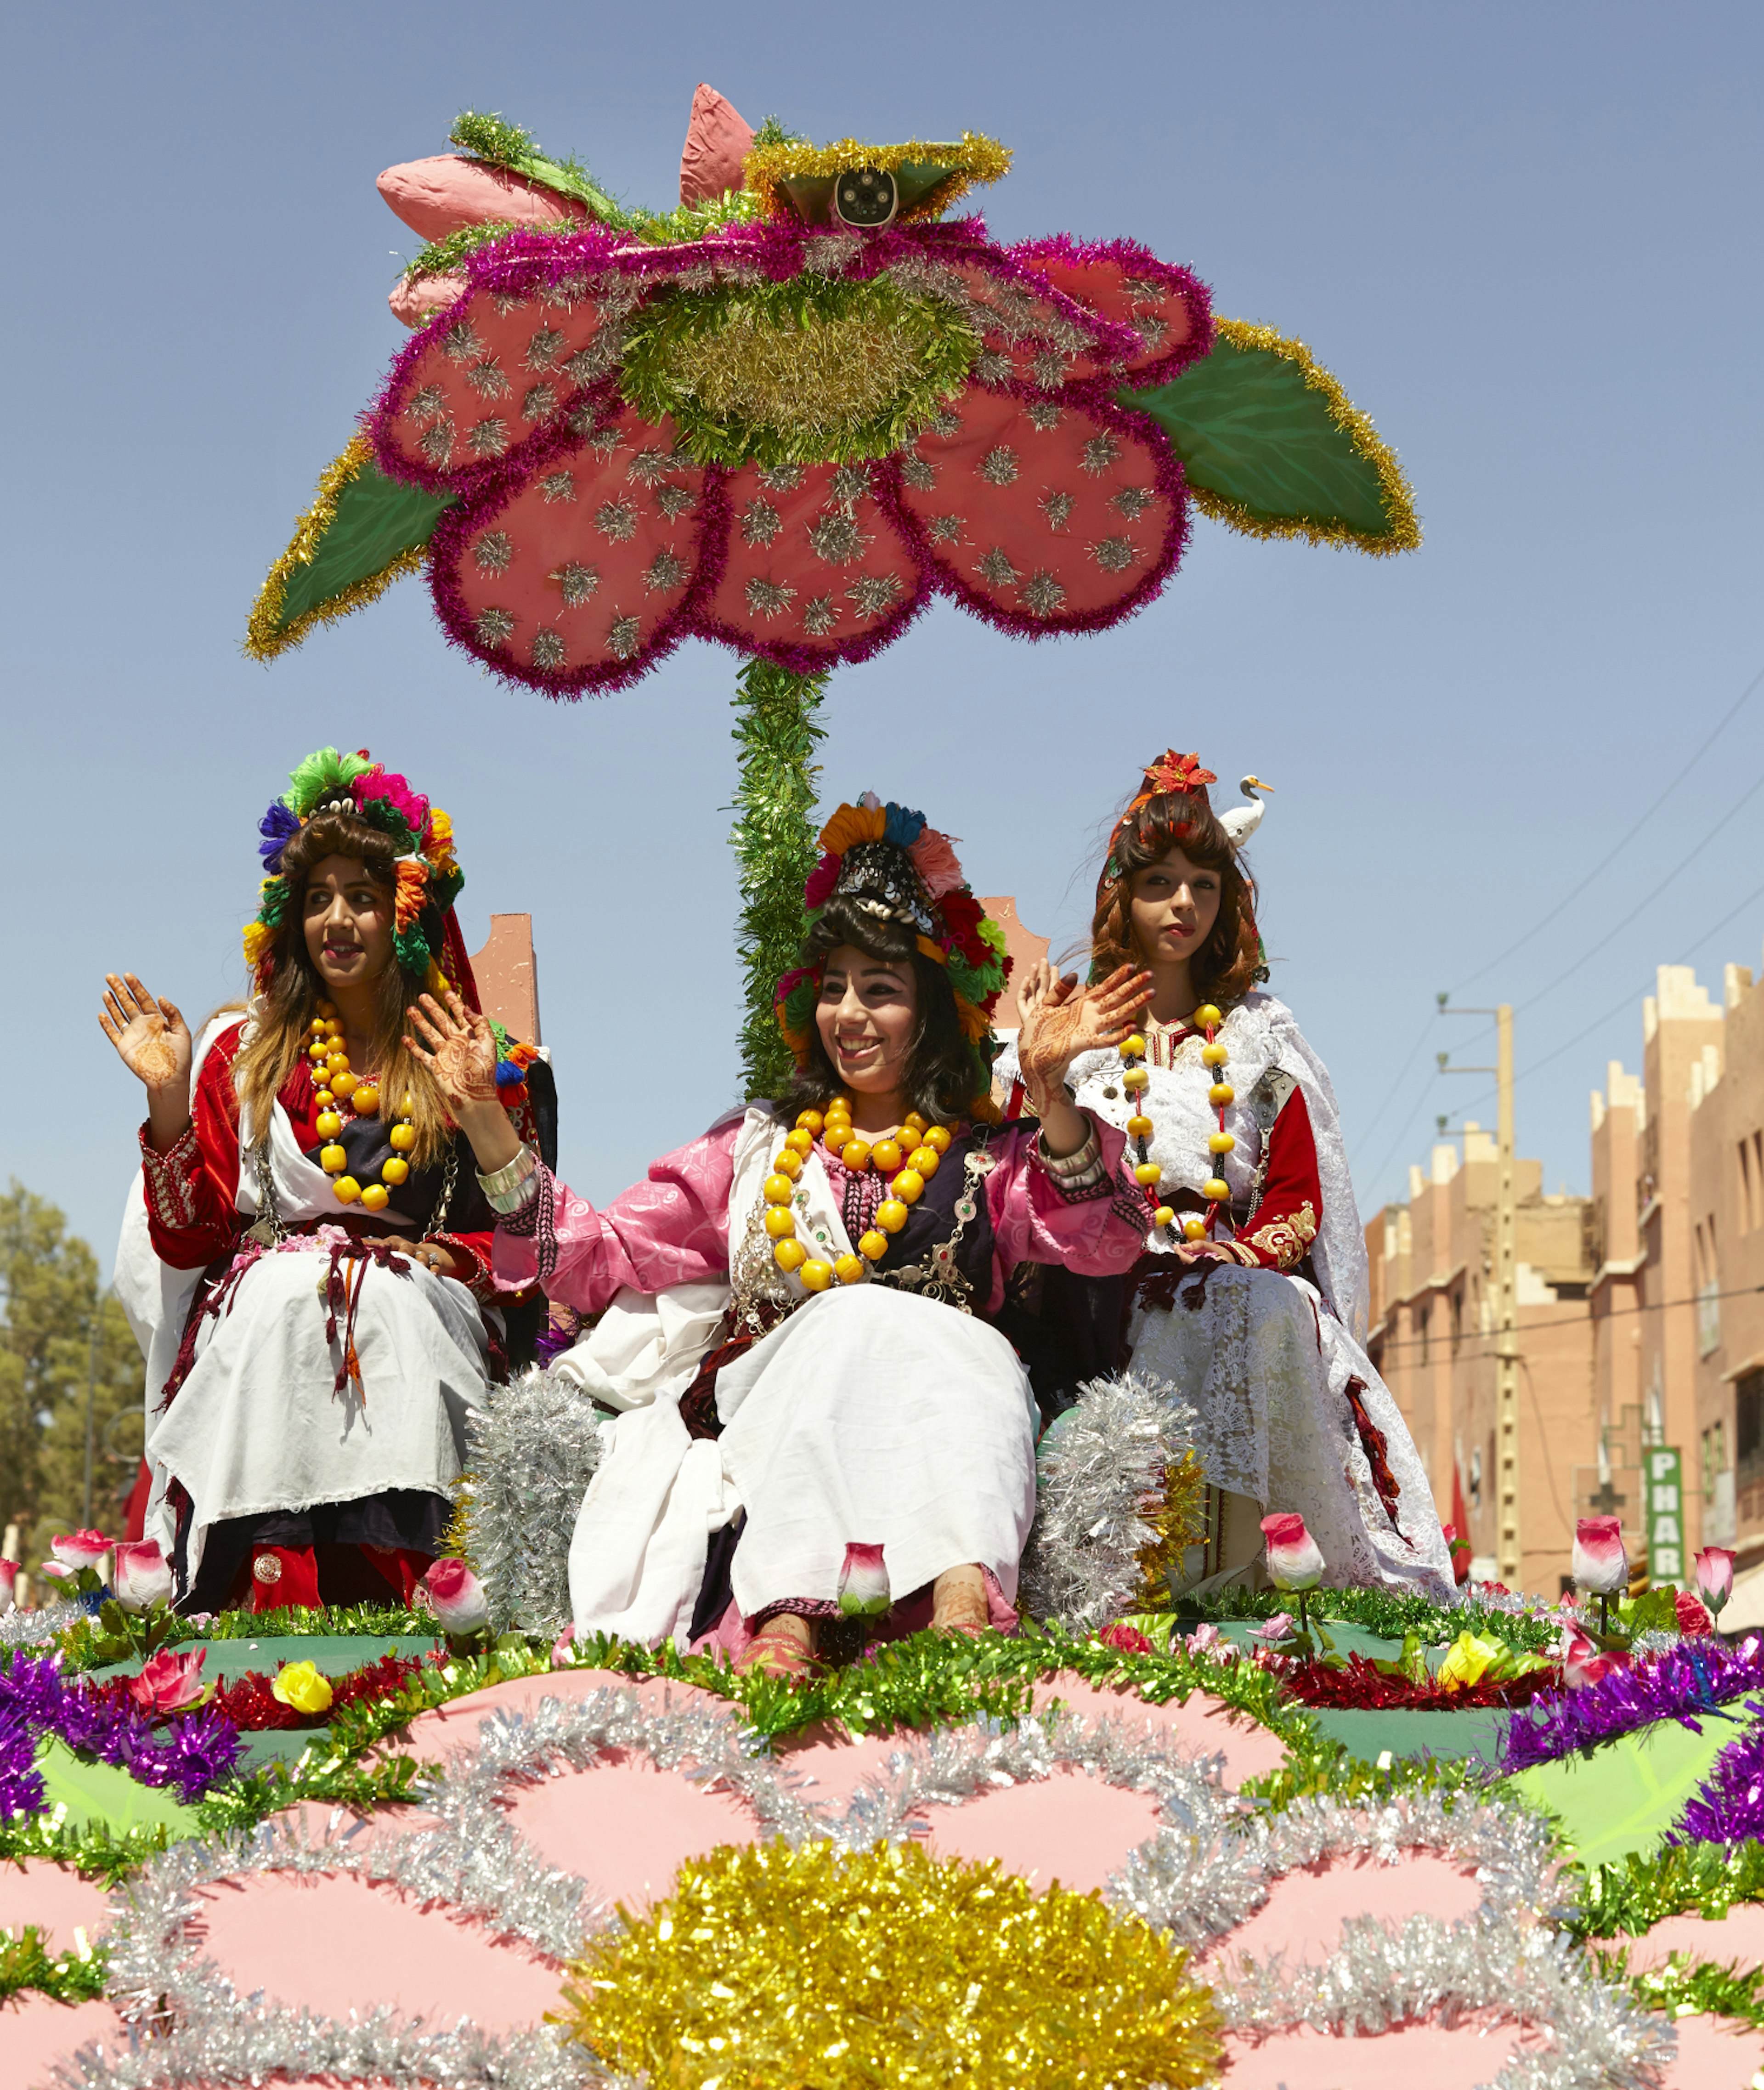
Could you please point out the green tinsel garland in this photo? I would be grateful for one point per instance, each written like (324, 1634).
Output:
(1633, 1895)
(778, 733)
(1391, 1617)
(69, 1977)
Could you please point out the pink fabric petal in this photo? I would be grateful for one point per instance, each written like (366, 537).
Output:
(1305, 1910)
(1472, 2049)
(414, 303)
(1070, 1827)
(717, 142)
(438, 196)
(1045, 515)
(578, 579)
(1167, 307)
(490, 377)
(816, 569)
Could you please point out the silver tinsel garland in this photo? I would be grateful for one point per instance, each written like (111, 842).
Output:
(531, 1453)
(1099, 1463)
(37, 1625)
(1210, 1864)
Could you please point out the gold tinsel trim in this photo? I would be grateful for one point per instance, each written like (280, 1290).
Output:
(973, 159)
(1404, 534)
(1180, 1521)
(265, 635)
(768, 1966)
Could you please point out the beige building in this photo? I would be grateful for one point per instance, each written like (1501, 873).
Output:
(1433, 1322)
(1678, 1173)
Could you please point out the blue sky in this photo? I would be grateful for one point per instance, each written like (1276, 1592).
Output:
(1524, 238)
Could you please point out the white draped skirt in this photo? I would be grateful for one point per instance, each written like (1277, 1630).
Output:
(870, 1417)
(1266, 1367)
(256, 1426)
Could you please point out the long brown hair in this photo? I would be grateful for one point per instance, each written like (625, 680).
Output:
(279, 1033)
(1231, 961)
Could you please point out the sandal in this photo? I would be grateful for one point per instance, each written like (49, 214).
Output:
(773, 1653)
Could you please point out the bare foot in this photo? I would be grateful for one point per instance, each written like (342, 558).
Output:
(784, 1646)
(958, 1601)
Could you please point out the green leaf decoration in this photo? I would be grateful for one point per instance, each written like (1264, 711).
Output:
(1624, 1796)
(1271, 444)
(361, 532)
(101, 1792)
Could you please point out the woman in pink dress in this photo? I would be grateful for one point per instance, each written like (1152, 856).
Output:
(794, 1332)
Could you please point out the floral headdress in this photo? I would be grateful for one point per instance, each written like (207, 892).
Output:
(893, 866)
(1171, 775)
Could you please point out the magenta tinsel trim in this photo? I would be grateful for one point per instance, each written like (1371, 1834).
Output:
(1193, 295)
(1690, 1683)
(1728, 1806)
(193, 1752)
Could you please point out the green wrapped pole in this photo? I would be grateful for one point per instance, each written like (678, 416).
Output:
(777, 732)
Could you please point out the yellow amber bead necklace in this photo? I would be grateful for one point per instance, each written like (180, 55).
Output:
(1215, 1190)
(907, 1169)
(338, 1083)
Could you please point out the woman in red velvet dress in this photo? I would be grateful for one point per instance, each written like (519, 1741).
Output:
(308, 1254)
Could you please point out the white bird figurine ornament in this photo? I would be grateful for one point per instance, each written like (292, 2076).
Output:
(1241, 822)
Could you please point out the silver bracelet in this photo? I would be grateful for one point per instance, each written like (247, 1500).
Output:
(1084, 1162)
(507, 1189)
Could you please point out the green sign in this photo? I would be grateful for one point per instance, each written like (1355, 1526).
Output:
(1665, 1514)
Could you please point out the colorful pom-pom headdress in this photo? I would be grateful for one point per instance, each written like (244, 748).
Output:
(889, 863)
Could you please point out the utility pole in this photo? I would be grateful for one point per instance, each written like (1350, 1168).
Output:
(1508, 1554)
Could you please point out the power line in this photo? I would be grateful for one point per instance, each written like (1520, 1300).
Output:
(1605, 861)
(1641, 907)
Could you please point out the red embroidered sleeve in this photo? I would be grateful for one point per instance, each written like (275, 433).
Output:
(190, 1188)
(1284, 1223)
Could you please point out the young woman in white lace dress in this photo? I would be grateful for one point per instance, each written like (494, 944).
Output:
(1252, 1305)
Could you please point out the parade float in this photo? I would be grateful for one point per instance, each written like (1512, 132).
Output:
(1300, 1835)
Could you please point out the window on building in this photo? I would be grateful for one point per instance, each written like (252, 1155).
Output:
(1457, 1319)
(1714, 1457)
(1747, 1219)
(1757, 1172)
(1423, 1318)
(1748, 1428)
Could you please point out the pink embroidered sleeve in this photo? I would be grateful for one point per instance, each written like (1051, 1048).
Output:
(671, 1228)
(1095, 1231)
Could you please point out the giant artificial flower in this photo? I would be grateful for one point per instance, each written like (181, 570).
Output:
(789, 414)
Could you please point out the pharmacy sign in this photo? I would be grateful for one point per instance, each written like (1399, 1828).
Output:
(1665, 1514)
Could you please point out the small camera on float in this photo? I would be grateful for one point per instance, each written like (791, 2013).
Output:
(865, 197)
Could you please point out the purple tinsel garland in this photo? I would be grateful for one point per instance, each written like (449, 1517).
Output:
(1690, 1683)
(1729, 1804)
(193, 1753)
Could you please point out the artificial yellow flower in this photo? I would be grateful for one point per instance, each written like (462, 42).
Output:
(301, 1685)
(1466, 1660)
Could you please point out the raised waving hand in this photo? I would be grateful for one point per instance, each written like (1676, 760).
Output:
(1060, 1020)
(153, 1041)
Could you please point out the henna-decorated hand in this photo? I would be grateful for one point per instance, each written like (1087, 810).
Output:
(151, 1037)
(433, 1255)
(460, 1048)
(1059, 1020)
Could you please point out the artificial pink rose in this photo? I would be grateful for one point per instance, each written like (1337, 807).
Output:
(76, 1549)
(1693, 1620)
(934, 859)
(142, 1576)
(169, 1682)
(457, 1596)
(1582, 1663)
(1128, 1639)
(1293, 1560)
(822, 881)
(1207, 1639)
(1280, 1627)
(1714, 1577)
(1601, 1566)
(9, 1574)
(563, 1648)
(863, 1592)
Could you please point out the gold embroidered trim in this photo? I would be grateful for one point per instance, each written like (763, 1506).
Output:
(1286, 1240)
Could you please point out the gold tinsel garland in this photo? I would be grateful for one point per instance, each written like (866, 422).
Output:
(1404, 534)
(1179, 1519)
(770, 1966)
(971, 159)
(265, 635)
